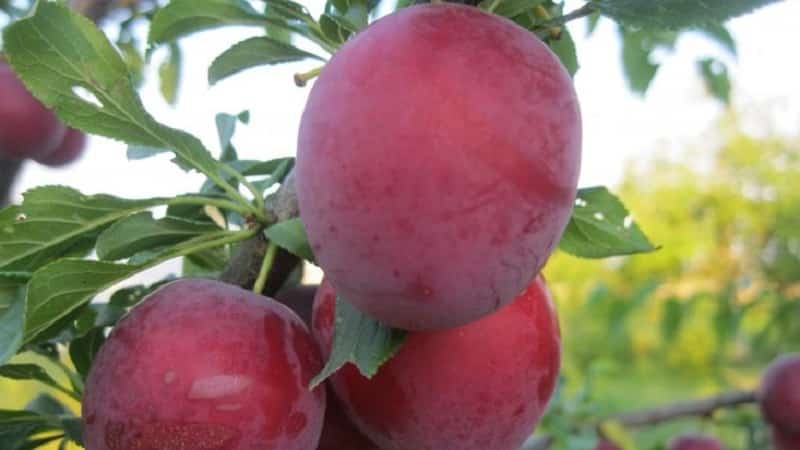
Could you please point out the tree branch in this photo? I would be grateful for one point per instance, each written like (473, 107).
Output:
(701, 407)
(8, 172)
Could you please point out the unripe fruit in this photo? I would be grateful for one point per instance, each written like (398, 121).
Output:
(481, 386)
(27, 128)
(203, 365)
(437, 164)
(69, 150)
(780, 394)
(695, 442)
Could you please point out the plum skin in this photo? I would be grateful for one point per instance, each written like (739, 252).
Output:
(70, 149)
(481, 386)
(27, 128)
(779, 396)
(606, 445)
(205, 365)
(437, 164)
(784, 441)
(695, 442)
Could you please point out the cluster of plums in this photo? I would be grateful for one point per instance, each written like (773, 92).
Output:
(28, 130)
(437, 167)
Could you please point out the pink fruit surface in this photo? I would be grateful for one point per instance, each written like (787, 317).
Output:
(437, 164)
(70, 149)
(27, 128)
(481, 386)
(203, 365)
(779, 396)
(695, 442)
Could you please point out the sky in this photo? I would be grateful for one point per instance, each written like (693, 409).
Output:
(618, 125)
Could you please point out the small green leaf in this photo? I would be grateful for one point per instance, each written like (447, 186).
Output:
(291, 236)
(600, 227)
(141, 231)
(715, 75)
(55, 221)
(253, 52)
(169, 74)
(721, 35)
(509, 8)
(17, 426)
(564, 48)
(27, 372)
(61, 287)
(83, 350)
(639, 69)
(360, 340)
(336, 29)
(47, 405)
(673, 14)
(12, 316)
(73, 427)
(180, 18)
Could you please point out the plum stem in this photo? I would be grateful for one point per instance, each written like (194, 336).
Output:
(266, 264)
(301, 79)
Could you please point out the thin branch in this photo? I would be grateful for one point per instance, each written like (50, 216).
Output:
(702, 407)
(583, 11)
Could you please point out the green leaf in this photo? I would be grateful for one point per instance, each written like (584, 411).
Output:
(564, 48)
(253, 52)
(361, 340)
(16, 426)
(715, 75)
(336, 29)
(83, 350)
(27, 372)
(354, 13)
(12, 316)
(600, 227)
(73, 427)
(33, 444)
(47, 405)
(721, 35)
(672, 14)
(55, 221)
(169, 74)
(509, 8)
(141, 231)
(291, 236)
(671, 319)
(63, 57)
(63, 286)
(639, 69)
(183, 17)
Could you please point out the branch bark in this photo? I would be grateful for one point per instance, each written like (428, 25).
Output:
(702, 407)
(8, 173)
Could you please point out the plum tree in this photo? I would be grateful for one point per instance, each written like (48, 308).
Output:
(779, 396)
(207, 366)
(437, 164)
(483, 385)
(339, 433)
(69, 150)
(695, 442)
(27, 128)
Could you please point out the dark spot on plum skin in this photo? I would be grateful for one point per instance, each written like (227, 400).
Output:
(169, 436)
